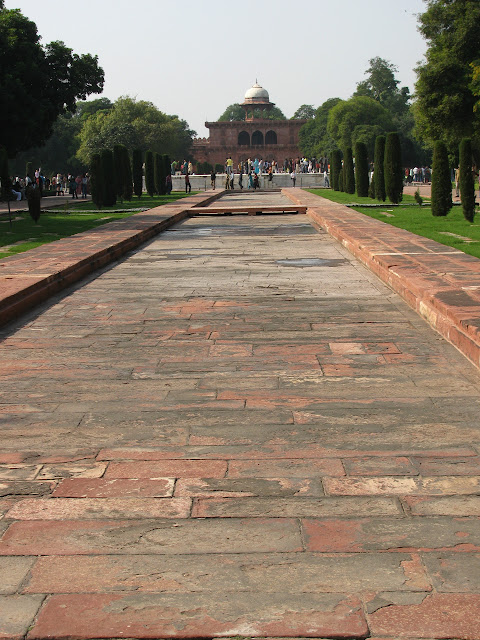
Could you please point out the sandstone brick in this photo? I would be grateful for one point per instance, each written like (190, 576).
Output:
(17, 614)
(285, 468)
(164, 537)
(104, 488)
(453, 572)
(376, 534)
(19, 471)
(435, 615)
(167, 468)
(294, 507)
(13, 571)
(99, 508)
(390, 485)
(380, 466)
(68, 470)
(248, 487)
(266, 573)
(449, 466)
(19, 488)
(444, 506)
(197, 615)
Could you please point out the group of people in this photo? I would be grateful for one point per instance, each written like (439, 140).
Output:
(290, 165)
(61, 184)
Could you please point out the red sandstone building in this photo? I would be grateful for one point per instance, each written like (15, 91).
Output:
(254, 137)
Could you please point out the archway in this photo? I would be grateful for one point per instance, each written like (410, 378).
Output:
(257, 139)
(270, 137)
(244, 138)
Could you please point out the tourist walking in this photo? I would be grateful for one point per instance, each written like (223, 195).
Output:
(293, 177)
(188, 186)
(213, 177)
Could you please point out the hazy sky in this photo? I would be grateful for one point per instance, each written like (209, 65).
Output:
(193, 58)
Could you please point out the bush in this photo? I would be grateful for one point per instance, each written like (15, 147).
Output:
(96, 180)
(361, 169)
(371, 188)
(137, 161)
(335, 169)
(378, 162)
(118, 170)
(109, 196)
(158, 173)
(393, 168)
(127, 180)
(149, 173)
(349, 174)
(29, 170)
(441, 181)
(467, 187)
(418, 197)
(204, 168)
(341, 179)
(33, 198)
(219, 168)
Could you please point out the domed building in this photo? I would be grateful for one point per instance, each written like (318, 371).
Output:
(257, 136)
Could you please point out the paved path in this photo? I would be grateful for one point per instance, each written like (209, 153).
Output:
(237, 431)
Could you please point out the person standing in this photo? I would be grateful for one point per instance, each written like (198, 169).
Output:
(188, 186)
(213, 177)
(240, 179)
(293, 176)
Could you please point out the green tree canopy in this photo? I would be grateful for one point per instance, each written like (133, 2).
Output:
(235, 112)
(305, 112)
(382, 86)
(348, 121)
(38, 83)
(314, 139)
(137, 125)
(445, 88)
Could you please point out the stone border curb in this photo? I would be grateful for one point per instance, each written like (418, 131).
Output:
(440, 283)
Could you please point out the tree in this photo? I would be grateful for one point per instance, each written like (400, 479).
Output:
(335, 168)
(38, 83)
(441, 181)
(467, 187)
(6, 194)
(118, 169)
(149, 173)
(234, 112)
(349, 175)
(378, 168)
(109, 197)
(345, 119)
(127, 175)
(137, 125)
(382, 86)
(96, 180)
(137, 170)
(305, 112)
(361, 169)
(158, 173)
(445, 87)
(393, 168)
(314, 140)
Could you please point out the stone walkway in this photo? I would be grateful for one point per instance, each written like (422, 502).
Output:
(237, 431)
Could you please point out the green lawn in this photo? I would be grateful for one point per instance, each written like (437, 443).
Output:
(68, 221)
(419, 220)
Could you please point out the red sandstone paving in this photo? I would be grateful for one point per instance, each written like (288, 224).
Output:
(176, 396)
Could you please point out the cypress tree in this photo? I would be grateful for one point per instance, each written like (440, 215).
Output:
(29, 170)
(349, 175)
(127, 187)
(393, 168)
(109, 196)
(149, 173)
(378, 169)
(33, 199)
(118, 170)
(361, 170)
(6, 194)
(167, 165)
(371, 188)
(96, 180)
(441, 181)
(335, 168)
(467, 187)
(341, 179)
(137, 170)
(158, 172)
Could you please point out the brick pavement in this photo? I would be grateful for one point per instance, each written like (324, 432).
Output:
(237, 431)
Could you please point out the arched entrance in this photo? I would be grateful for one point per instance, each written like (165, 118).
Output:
(244, 138)
(257, 139)
(270, 137)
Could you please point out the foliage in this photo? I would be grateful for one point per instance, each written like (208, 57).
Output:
(467, 187)
(445, 88)
(149, 173)
(361, 169)
(378, 168)
(34, 199)
(96, 180)
(335, 168)
(29, 170)
(109, 196)
(418, 197)
(6, 194)
(314, 139)
(382, 86)
(371, 188)
(159, 172)
(137, 170)
(204, 168)
(349, 174)
(235, 112)
(38, 83)
(393, 168)
(305, 112)
(219, 168)
(359, 115)
(127, 179)
(441, 181)
(137, 125)
(341, 179)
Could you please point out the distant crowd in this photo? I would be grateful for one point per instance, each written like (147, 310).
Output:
(60, 184)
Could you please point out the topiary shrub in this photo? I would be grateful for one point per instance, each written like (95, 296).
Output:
(371, 188)
(467, 187)
(441, 181)
(418, 197)
(149, 173)
(378, 162)
(127, 180)
(33, 198)
(393, 168)
(349, 174)
(137, 170)
(361, 170)
(335, 169)
(109, 196)
(341, 180)
(96, 180)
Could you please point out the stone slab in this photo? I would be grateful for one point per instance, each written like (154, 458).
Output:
(17, 614)
(114, 488)
(13, 572)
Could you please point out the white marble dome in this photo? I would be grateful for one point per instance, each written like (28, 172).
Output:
(257, 94)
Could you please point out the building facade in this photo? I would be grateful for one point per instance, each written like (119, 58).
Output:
(255, 137)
